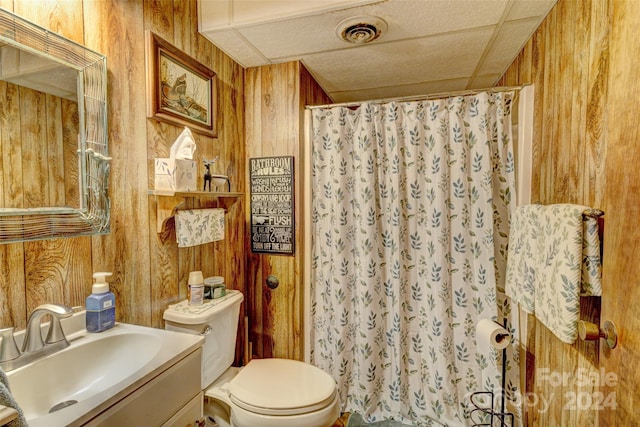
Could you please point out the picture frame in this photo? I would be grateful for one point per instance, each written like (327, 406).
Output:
(180, 90)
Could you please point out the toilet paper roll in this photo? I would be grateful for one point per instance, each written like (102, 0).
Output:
(491, 334)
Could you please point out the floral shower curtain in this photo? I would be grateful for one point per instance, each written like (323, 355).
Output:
(410, 216)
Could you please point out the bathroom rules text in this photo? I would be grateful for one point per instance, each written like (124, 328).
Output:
(272, 205)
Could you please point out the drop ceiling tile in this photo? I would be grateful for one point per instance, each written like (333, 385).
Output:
(402, 62)
(416, 18)
(485, 81)
(530, 9)
(214, 14)
(221, 14)
(511, 38)
(405, 18)
(234, 45)
(431, 45)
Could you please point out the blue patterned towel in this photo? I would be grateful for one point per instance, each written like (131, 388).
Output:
(554, 257)
(6, 399)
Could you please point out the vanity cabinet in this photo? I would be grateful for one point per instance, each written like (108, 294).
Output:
(189, 416)
(173, 397)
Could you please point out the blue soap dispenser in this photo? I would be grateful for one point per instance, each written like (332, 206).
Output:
(101, 305)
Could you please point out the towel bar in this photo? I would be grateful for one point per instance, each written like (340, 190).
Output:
(593, 213)
(590, 332)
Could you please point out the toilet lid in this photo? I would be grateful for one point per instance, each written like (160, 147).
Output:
(281, 387)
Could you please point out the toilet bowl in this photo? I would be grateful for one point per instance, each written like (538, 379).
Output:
(266, 392)
(278, 393)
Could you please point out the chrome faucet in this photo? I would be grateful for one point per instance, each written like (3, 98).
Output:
(33, 346)
(8, 348)
(33, 336)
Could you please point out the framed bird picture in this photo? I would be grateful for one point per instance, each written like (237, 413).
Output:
(181, 90)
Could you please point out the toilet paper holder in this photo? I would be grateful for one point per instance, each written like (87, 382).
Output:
(590, 331)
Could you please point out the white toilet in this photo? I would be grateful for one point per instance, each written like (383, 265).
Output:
(264, 393)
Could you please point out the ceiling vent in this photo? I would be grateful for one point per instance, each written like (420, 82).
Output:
(361, 29)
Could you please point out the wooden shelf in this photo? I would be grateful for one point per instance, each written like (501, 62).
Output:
(170, 201)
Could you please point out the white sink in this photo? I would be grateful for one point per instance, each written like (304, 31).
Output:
(95, 371)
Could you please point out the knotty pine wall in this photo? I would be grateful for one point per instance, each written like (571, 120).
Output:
(583, 62)
(149, 271)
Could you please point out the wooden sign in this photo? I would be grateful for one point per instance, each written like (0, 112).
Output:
(272, 205)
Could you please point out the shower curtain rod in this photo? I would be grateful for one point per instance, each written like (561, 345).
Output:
(419, 97)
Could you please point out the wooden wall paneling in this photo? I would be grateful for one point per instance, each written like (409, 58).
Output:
(70, 166)
(13, 283)
(183, 28)
(567, 160)
(588, 363)
(543, 394)
(229, 255)
(525, 63)
(49, 273)
(76, 278)
(193, 258)
(591, 31)
(580, 38)
(13, 308)
(562, 144)
(597, 98)
(40, 274)
(125, 251)
(552, 143)
(177, 23)
(539, 124)
(274, 113)
(159, 18)
(621, 291)
(12, 146)
(62, 17)
(34, 153)
(511, 76)
(547, 134)
(253, 137)
(571, 160)
(169, 276)
(149, 270)
(3, 170)
(55, 151)
(163, 256)
(568, 157)
(570, 388)
(279, 123)
(275, 99)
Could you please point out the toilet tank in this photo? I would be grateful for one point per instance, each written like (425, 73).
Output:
(217, 321)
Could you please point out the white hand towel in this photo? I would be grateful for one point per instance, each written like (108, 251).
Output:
(199, 226)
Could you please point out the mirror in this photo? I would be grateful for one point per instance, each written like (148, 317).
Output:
(54, 158)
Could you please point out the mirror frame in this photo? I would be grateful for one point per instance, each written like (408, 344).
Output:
(93, 215)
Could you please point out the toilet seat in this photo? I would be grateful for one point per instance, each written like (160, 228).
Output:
(281, 387)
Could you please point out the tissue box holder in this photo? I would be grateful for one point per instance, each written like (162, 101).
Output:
(175, 174)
